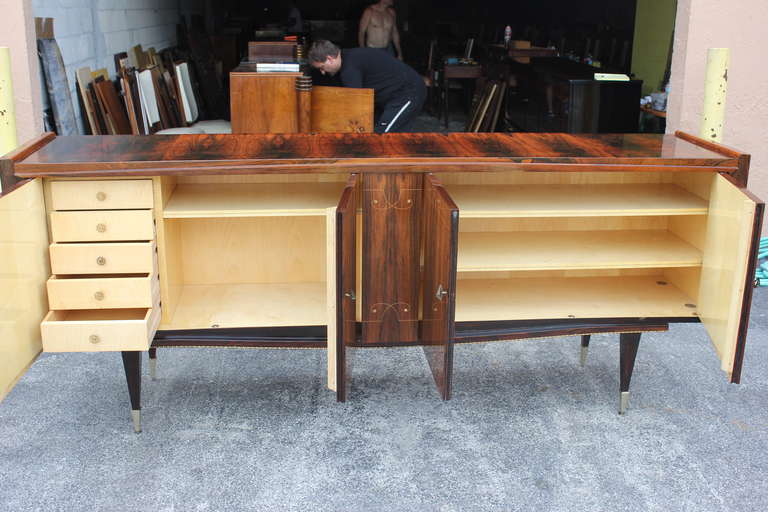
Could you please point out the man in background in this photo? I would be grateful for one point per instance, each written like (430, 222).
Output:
(378, 28)
(398, 90)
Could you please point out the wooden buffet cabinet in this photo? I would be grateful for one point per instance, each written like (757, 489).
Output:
(333, 241)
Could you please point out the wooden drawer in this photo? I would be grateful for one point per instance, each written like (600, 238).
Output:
(101, 195)
(103, 292)
(103, 258)
(99, 330)
(102, 226)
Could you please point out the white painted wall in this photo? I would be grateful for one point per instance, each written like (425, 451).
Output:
(91, 32)
(741, 27)
(17, 31)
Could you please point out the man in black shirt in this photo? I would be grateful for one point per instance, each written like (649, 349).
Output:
(398, 91)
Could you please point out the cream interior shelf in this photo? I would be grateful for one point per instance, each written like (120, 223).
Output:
(577, 297)
(574, 200)
(252, 200)
(250, 305)
(574, 250)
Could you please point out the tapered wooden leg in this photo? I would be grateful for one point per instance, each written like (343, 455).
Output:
(132, 364)
(153, 363)
(629, 342)
(584, 348)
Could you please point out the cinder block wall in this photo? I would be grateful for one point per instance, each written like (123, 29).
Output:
(90, 32)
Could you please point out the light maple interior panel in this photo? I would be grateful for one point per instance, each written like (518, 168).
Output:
(575, 200)
(252, 200)
(574, 249)
(581, 297)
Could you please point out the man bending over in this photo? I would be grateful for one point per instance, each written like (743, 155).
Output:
(398, 90)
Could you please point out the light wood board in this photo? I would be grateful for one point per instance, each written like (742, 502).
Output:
(249, 250)
(106, 258)
(574, 249)
(582, 297)
(330, 279)
(23, 272)
(101, 194)
(723, 273)
(249, 200)
(250, 305)
(574, 200)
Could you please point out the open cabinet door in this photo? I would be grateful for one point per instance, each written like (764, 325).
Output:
(24, 270)
(441, 229)
(728, 270)
(346, 243)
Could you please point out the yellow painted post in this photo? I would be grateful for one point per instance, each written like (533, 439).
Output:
(715, 86)
(8, 140)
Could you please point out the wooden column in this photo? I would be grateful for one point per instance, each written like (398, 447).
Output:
(304, 101)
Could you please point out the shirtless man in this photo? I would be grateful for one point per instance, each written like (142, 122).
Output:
(378, 28)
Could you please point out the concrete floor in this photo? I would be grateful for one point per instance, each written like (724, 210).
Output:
(527, 429)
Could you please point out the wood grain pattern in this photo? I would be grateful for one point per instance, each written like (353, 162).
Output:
(391, 250)
(7, 178)
(725, 278)
(346, 275)
(341, 110)
(264, 102)
(23, 302)
(440, 232)
(285, 50)
(742, 174)
(396, 152)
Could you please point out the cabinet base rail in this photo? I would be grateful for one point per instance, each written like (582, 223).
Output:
(307, 337)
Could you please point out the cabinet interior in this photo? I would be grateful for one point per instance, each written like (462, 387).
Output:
(246, 251)
(578, 245)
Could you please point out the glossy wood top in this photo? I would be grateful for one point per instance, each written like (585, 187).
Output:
(416, 152)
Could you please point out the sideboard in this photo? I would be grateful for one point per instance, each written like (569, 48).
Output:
(331, 241)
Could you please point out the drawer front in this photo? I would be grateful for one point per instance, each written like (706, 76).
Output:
(102, 226)
(103, 293)
(101, 195)
(99, 331)
(105, 258)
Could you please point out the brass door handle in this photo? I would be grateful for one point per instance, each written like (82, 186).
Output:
(101, 228)
(101, 196)
(98, 295)
(101, 260)
(94, 339)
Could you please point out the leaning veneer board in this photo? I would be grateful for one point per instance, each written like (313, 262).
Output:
(341, 110)
(58, 86)
(23, 302)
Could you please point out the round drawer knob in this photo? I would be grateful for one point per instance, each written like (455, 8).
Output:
(101, 196)
(101, 228)
(101, 260)
(98, 295)
(94, 339)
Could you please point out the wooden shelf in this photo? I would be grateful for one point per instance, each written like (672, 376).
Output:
(252, 200)
(575, 200)
(549, 250)
(250, 305)
(576, 297)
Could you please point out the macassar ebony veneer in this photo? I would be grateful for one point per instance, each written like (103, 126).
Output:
(342, 241)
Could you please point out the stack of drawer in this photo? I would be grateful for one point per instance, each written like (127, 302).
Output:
(104, 292)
